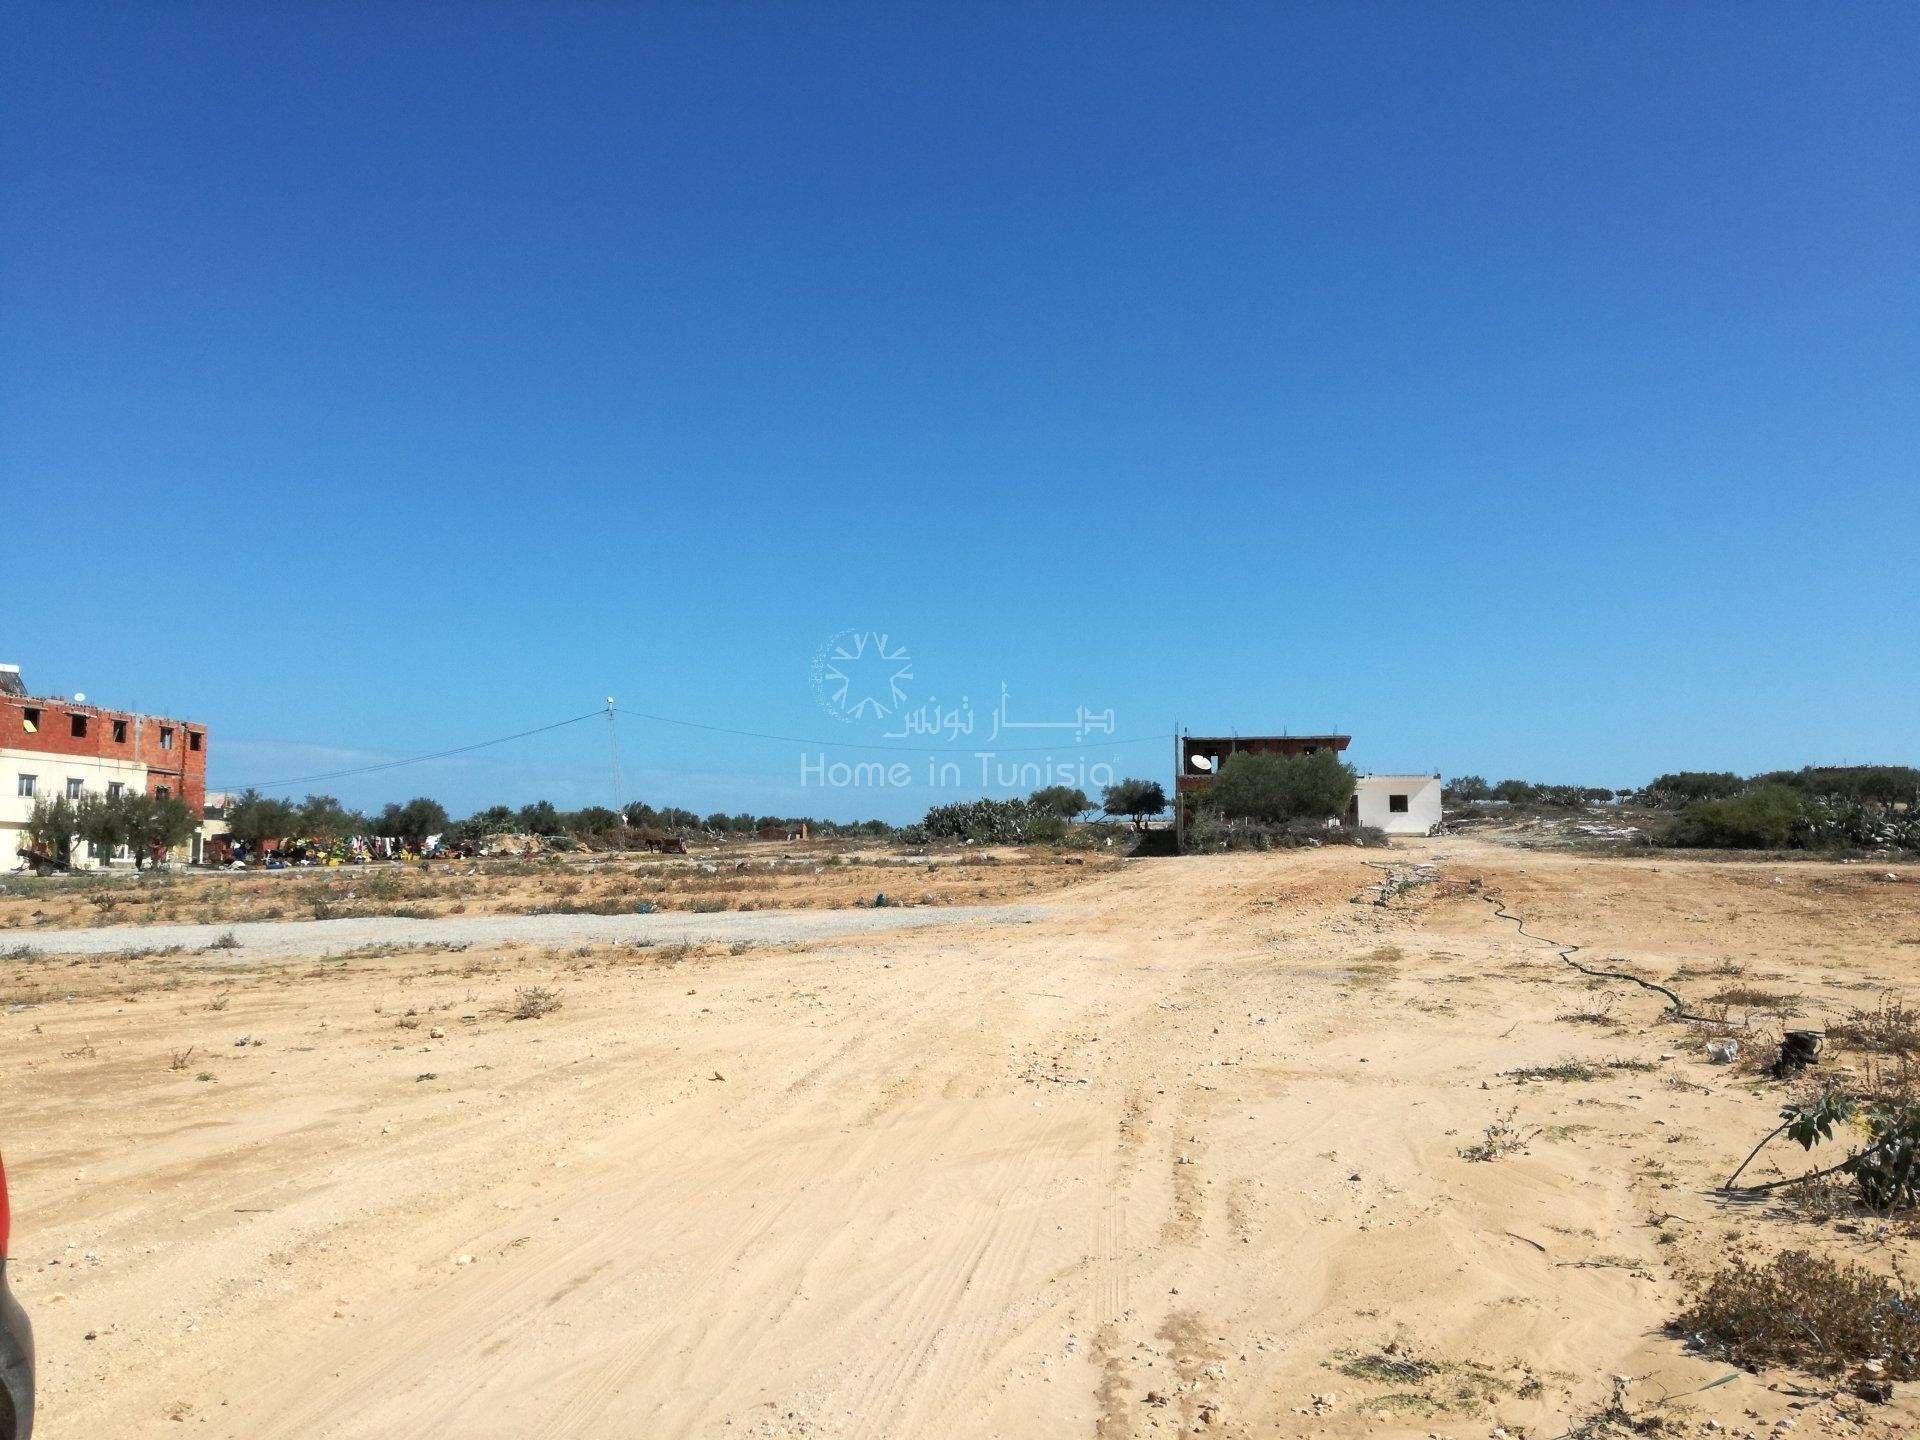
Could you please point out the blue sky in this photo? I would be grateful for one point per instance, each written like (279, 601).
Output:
(1526, 390)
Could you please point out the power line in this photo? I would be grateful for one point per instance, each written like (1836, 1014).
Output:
(865, 745)
(610, 711)
(417, 759)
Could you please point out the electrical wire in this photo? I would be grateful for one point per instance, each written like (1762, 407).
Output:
(658, 720)
(418, 759)
(868, 745)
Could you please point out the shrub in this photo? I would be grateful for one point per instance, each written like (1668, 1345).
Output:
(533, 1001)
(990, 822)
(1274, 788)
(1684, 787)
(1210, 835)
(1800, 1309)
(1764, 819)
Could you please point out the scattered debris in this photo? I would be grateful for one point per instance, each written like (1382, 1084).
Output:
(1798, 1050)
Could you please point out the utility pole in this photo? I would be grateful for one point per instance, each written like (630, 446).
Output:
(613, 749)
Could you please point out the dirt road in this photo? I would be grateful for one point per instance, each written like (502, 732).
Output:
(246, 941)
(1181, 1155)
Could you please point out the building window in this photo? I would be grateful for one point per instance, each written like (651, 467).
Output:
(75, 789)
(1397, 804)
(27, 783)
(119, 732)
(114, 789)
(193, 739)
(30, 717)
(79, 724)
(161, 792)
(166, 737)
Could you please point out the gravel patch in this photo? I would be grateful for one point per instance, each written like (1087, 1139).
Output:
(257, 939)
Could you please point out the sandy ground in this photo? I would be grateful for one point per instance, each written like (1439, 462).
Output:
(1161, 1161)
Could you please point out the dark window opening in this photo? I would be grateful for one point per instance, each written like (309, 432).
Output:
(30, 717)
(119, 732)
(193, 739)
(166, 737)
(79, 723)
(1397, 804)
(161, 792)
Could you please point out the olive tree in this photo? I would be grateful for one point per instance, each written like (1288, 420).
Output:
(1136, 799)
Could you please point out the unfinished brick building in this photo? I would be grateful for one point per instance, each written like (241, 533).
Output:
(52, 747)
(1198, 758)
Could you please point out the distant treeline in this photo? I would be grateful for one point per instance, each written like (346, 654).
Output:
(1818, 807)
(254, 817)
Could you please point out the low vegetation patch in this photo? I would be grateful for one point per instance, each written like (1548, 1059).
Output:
(531, 1002)
(1570, 1070)
(1211, 835)
(1891, 1027)
(1503, 1137)
(1752, 997)
(1803, 1310)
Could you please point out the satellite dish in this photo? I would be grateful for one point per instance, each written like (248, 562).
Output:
(1201, 762)
(79, 698)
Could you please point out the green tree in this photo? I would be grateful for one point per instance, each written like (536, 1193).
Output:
(253, 818)
(321, 817)
(156, 827)
(1273, 788)
(51, 828)
(593, 820)
(1062, 800)
(1136, 799)
(101, 821)
(413, 821)
(1466, 789)
(540, 818)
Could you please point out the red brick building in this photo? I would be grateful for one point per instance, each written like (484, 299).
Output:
(52, 747)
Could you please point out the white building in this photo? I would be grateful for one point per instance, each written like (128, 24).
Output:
(1398, 804)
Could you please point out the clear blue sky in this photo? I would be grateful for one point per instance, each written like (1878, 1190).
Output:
(1527, 389)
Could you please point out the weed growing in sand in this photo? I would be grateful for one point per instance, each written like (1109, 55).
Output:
(1805, 1310)
(226, 940)
(179, 1059)
(531, 1002)
(1614, 1419)
(1601, 1016)
(1891, 1027)
(1499, 1139)
(1752, 997)
(1431, 1387)
(1389, 1366)
(1570, 1070)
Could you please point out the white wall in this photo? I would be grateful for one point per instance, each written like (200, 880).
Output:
(51, 773)
(1375, 793)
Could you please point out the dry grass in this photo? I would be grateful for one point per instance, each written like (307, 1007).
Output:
(531, 1002)
(1752, 997)
(1803, 1310)
(1891, 1027)
(1568, 1070)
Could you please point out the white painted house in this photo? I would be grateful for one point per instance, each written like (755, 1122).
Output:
(1398, 804)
